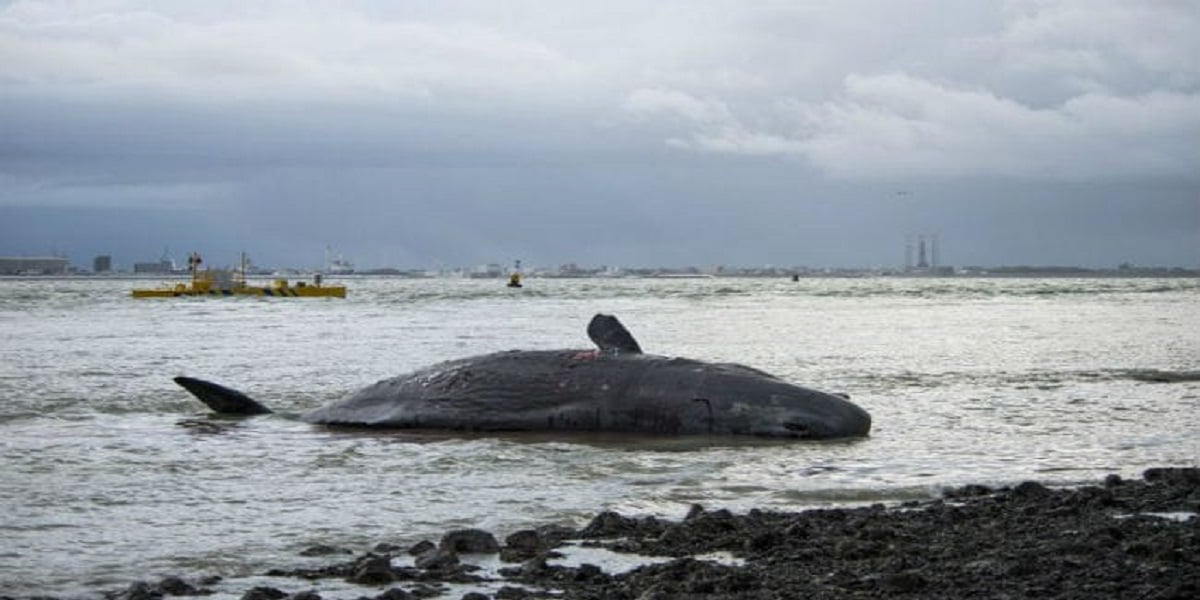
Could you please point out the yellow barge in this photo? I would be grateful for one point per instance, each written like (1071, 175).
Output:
(221, 282)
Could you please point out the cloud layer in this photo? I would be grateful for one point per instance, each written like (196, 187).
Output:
(895, 126)
(1070, 90)
(175, 104)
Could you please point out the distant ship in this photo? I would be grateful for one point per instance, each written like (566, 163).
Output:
(337, 265)
(225, 282)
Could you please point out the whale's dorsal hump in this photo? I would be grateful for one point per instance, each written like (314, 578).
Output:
(611, 336)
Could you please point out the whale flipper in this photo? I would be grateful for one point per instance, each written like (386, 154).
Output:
(221, 399)
(611, 336)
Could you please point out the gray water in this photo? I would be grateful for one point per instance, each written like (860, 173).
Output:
(111, 473)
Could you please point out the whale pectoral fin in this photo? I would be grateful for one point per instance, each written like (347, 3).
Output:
(223, 400)
(611, 336)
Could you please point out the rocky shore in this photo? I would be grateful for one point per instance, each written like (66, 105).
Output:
(1115, 539)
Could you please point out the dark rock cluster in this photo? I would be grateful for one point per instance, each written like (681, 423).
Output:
(1117, 539)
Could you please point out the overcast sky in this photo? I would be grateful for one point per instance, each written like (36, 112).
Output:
(422, 134)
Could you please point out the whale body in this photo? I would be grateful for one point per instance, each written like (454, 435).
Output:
(613, 388)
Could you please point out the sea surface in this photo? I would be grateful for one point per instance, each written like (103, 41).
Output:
(110, 473)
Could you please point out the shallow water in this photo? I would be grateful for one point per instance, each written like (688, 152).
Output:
(112, 473)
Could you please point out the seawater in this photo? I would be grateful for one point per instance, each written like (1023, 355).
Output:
(111, 473)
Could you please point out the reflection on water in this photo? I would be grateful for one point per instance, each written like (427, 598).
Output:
(112, 473)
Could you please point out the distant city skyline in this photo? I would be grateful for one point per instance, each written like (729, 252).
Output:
(931, 262)
(706, 132)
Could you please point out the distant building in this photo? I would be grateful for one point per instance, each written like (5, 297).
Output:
(927, 254)
(102, 264)
(487, 271)
(33, 265)
(154, 268)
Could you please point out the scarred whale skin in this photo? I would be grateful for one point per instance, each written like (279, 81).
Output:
(613, 389)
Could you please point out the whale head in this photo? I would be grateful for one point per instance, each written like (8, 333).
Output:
(741, 400)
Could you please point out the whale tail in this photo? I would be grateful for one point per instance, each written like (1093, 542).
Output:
(222, 400)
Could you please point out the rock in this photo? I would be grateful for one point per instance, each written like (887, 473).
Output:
(1189, 476)
(968, 491)
(905, 582)
(421, 547)
(394, 594)
(511, 593)
(589, 573)
(553, 535)
(470, 541)
(534, 566)
(372, 570)
(139, 590)
(510, 555)
(176, 586)
(168, 586)
(609, 524)
(521, 545)
(305, 595)
(764, 541)
(424, 590)
(323, 550)
(525, 539)
(1099, 541)
(438, 559)
(263, 593)
(657, 591)
(1030, 490)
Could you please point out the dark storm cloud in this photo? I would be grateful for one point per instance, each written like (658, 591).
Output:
(425, 134)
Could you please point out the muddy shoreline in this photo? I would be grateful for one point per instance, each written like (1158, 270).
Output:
(1116, 538)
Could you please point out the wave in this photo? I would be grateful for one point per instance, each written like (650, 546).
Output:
(1161, 376)
(17, 297)
(1044, 380)
(986, 288)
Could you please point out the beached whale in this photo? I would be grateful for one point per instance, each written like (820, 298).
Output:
(613, 388)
